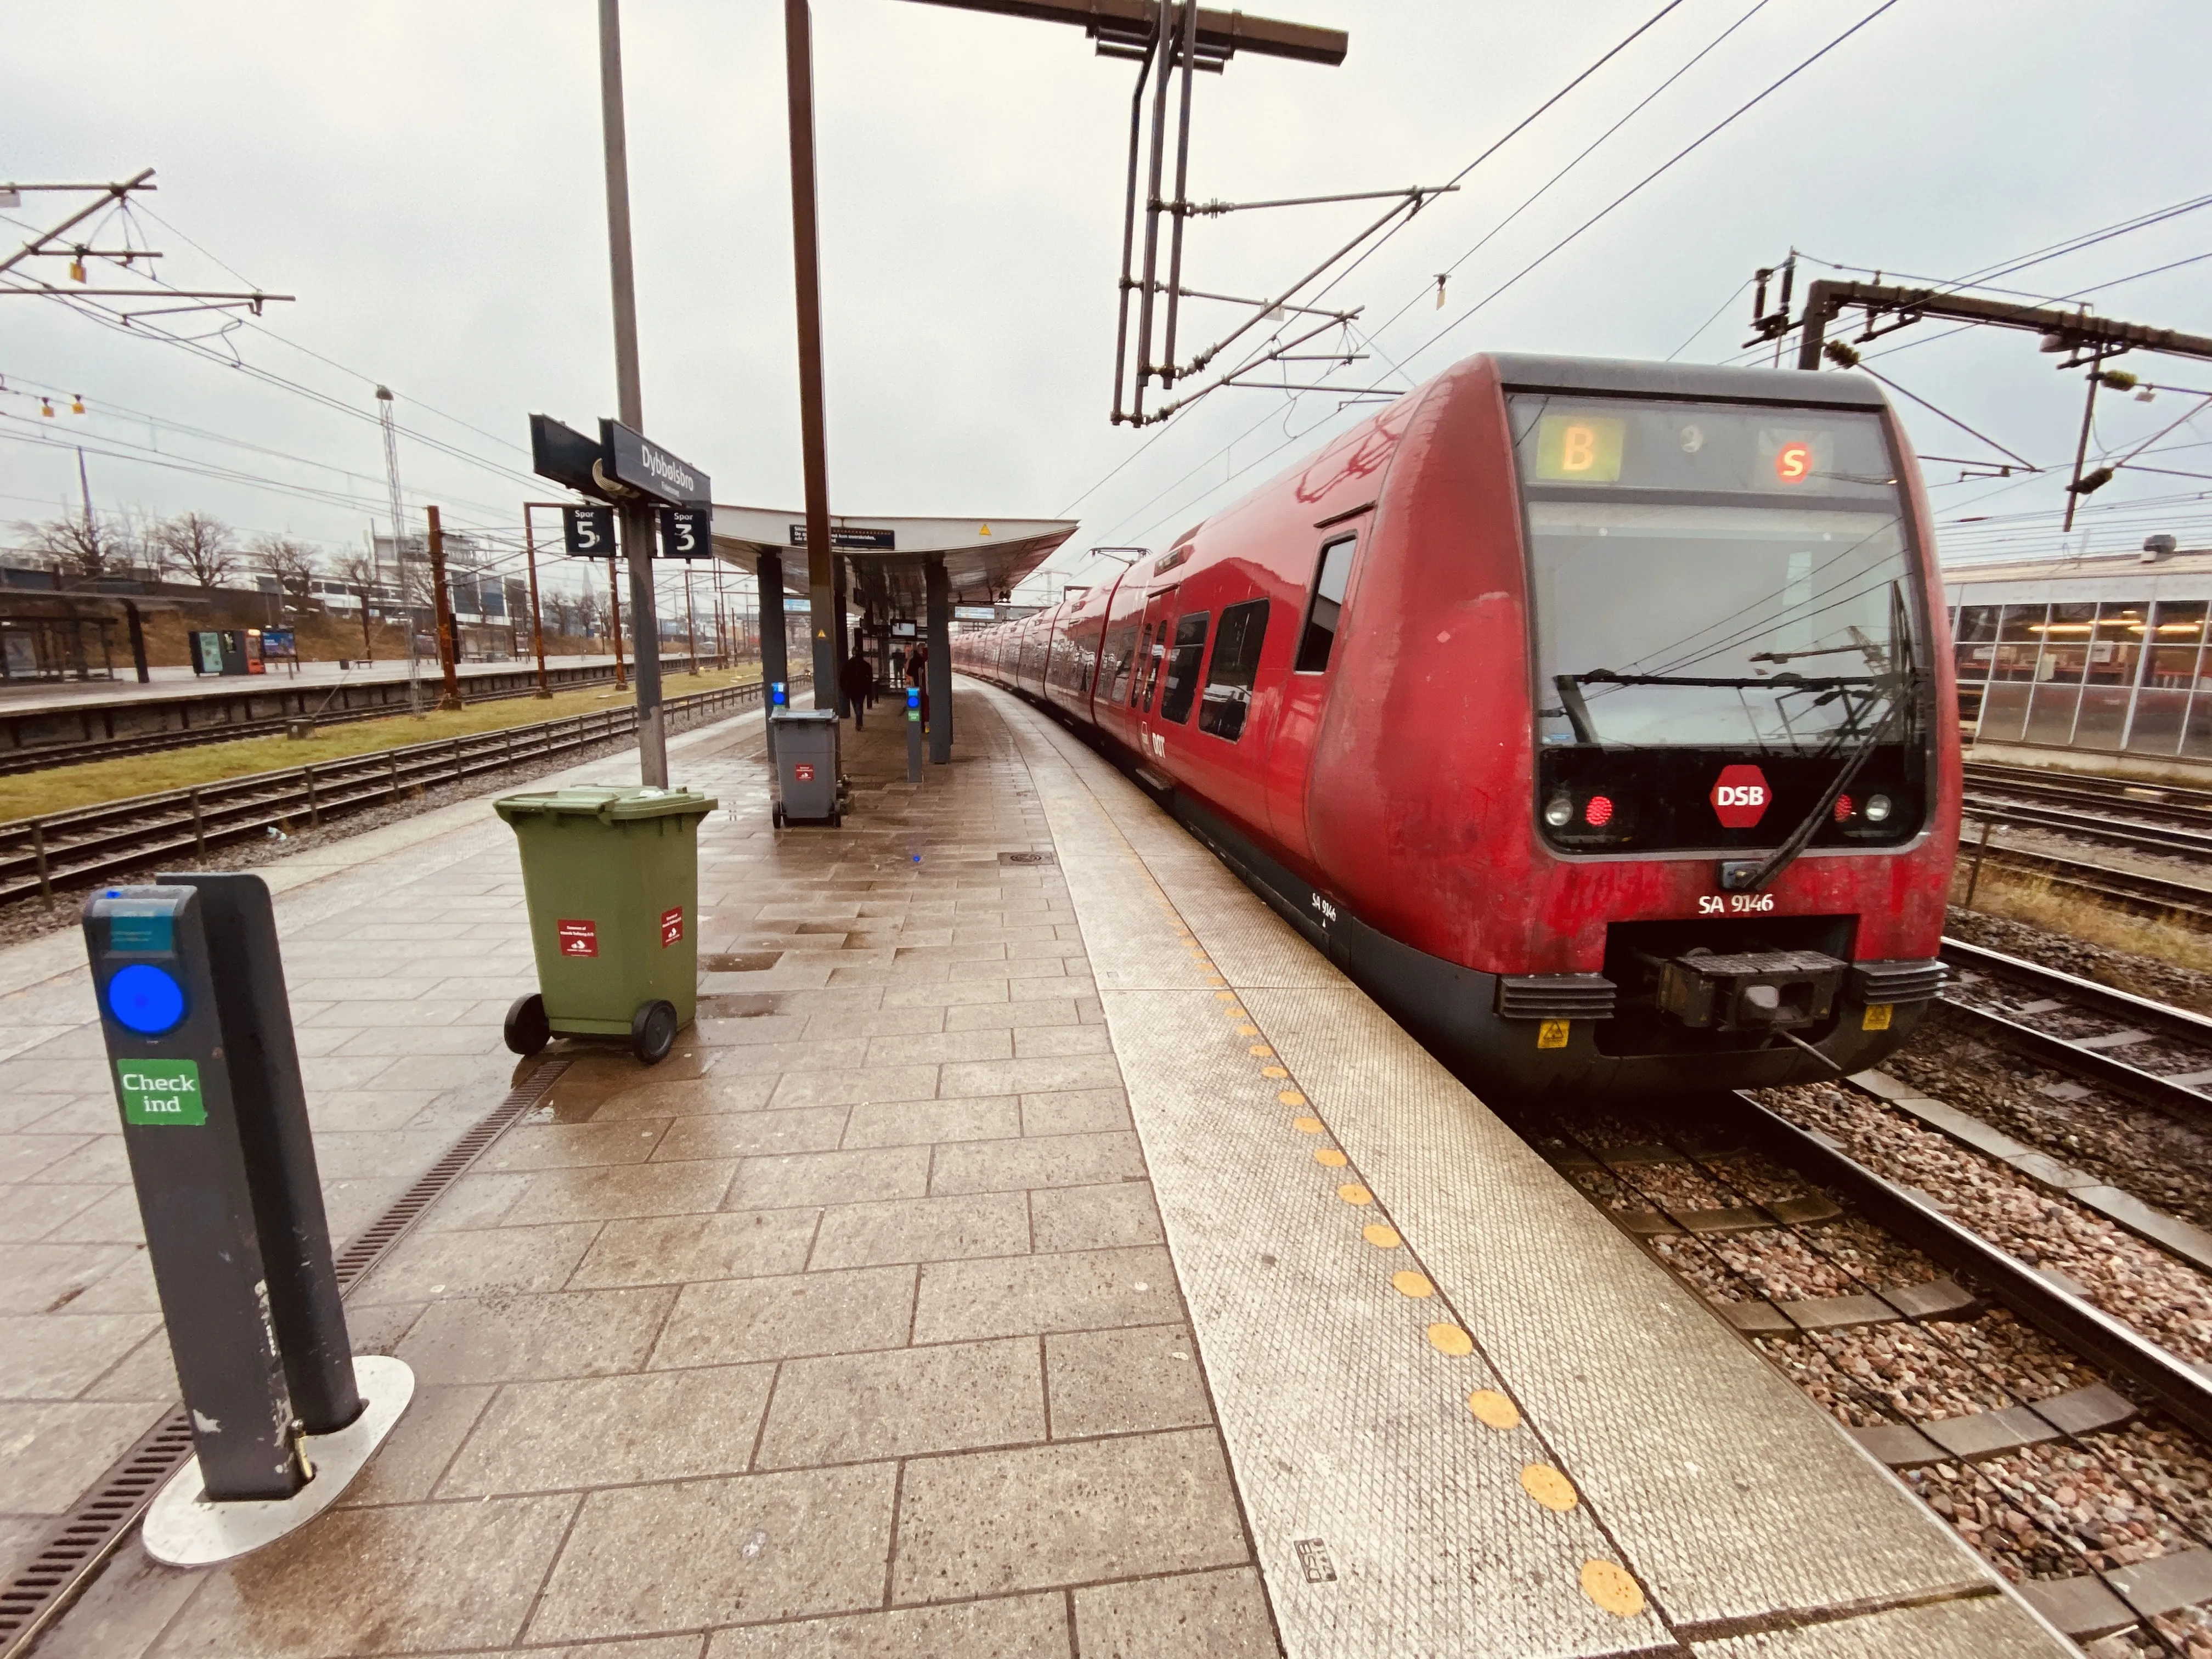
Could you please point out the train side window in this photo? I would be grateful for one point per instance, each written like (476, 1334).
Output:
(1155, 649)
(1236, 664)
(1182, 667)
(1121, 657)
(1330, 578)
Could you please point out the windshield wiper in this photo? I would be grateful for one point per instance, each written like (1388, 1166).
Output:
(1904, 695)
(1575, 708)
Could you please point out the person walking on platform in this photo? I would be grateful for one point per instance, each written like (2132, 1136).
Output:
(898, 665)
(859, 685)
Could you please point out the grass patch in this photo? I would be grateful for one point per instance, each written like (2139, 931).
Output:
(2024, 895)
(30, 794)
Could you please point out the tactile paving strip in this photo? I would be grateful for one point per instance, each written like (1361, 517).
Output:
(1700, 1474)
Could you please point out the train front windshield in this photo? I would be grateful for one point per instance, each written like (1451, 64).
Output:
(1730, 579)
(1709, 574)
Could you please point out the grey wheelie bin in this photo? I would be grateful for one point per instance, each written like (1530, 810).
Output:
(805, 746)
(613, 879)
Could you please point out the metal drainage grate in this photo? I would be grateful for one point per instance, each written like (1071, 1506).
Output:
(42, 1591)
(1029, 857)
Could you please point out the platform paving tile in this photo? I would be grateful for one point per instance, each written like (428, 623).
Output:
(681, 1248)
(985, 1523)
(922, 1230)
(847, 1331)
(424, 1576)
(1006, 1628)
(1199, 1615)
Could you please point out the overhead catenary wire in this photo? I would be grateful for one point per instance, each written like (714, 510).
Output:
(1537, 195)
(1665, 166)
(1680, 154)
(1485, 154)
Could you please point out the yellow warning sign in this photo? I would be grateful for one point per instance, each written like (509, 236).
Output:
(983, 530)
(1877, 1017)
(1552, 1034)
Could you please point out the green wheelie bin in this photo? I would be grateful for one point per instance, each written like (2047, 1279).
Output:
(612, 878)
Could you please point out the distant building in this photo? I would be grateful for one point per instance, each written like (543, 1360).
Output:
(2102, 653)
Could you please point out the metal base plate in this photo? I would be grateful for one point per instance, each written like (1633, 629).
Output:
(185, 1530)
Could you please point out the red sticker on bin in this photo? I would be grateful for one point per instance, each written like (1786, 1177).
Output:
(671, 926)
(803, 772)
(579, 939)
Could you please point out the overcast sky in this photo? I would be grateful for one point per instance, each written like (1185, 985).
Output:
(426, 178)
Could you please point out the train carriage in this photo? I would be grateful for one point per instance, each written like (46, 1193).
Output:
(1583, 712)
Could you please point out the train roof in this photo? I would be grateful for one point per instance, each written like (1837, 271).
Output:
(1791, 386)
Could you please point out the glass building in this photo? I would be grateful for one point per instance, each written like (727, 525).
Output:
(2104, 653)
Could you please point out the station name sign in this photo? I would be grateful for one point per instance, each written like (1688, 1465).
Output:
(620, 458)
(646, 467)
(858, 540)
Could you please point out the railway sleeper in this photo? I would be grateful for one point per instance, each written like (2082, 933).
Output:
(2192, 1243)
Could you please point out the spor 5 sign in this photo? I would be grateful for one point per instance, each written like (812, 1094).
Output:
(588, 532)
(1739, 796)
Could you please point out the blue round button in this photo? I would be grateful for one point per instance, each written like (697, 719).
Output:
(145, 999)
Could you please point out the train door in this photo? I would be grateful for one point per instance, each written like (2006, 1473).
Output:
(1152, 646)
(1291, 751)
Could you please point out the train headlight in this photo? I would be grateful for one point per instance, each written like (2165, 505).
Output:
(1877, 809)
(1559, 812)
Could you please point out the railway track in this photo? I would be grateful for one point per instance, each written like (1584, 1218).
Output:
(1761, 1212)
(60, 849)
(2101, 828)
(2174, 802)
(2131, 891)
(2160, 1054)
(44, 757)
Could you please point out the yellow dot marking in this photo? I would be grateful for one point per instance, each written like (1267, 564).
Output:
(1261, 1049)
(1494, 1409)
(1248, 1030)
(1215, 979)
(1330, 1157)
(1412, 1284)
(1352, 1193)
(1550, 1488)
(1275, 1072)
(1449, 1339)
(1609, 1585)
(1291, 1097)
(1229, 996)
(1236, 1013)
(1307, 1126)
(1382, 1237)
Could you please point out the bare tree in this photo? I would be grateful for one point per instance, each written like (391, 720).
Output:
(203, 548)
(358, 571)
(295, 564)
(84, 548)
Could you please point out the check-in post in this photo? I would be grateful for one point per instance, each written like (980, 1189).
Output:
(200, 1055)
(913, 734)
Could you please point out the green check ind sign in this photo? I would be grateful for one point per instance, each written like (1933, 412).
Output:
(160, 1092)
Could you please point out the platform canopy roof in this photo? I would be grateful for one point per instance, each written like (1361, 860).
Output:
(984, 558)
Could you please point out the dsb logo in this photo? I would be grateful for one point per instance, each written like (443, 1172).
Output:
(1739, 796)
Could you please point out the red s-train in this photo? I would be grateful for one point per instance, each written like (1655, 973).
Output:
(1585, 712)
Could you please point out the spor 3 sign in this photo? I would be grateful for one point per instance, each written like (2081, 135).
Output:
(1739, 796)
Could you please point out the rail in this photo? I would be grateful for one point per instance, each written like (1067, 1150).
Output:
(89, 843)
(2101, 826)
(2140, 1014)
(2169, 1379)
(2132, 891)
(39, 758)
